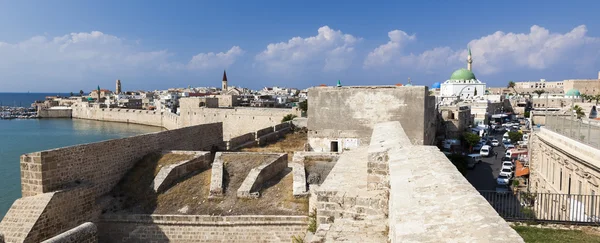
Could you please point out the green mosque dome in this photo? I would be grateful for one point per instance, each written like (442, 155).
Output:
(573, 92)
(462, 74)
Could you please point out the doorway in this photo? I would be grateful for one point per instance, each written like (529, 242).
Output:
(334, 146)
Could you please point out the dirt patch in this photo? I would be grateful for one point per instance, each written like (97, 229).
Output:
(288, 144)
(190, 196)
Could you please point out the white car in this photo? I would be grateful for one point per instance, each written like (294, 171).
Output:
(510, 146)
(508, 164)
(507, 171)
(495, 142)
(485, 151)
(503, 180)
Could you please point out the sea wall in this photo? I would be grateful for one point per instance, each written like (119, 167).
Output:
(55, 113)
(200, 228)
(103, 164)
(143, 117)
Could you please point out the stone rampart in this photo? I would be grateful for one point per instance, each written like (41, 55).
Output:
(282, 126)
(259, 175)
(143, 117)
(55, 113)
(216, 177)
(103, 164)
(430, 200)
(171, 173)
(200, 228)
(39, 217)
(84, 233)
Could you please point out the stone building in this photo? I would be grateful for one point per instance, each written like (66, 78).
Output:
(118, 88)
(561, 164)
(457, 119)
(343, 117)
(224, 83)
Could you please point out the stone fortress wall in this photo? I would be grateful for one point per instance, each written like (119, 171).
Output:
(236, 121)
(65, 187)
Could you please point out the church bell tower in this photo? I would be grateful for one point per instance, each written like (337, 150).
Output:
(224, 82)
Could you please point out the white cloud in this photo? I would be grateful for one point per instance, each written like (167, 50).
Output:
(75, 54)
(329, 50)
(538, 49)
(215, 60)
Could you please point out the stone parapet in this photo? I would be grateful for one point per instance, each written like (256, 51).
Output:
(264, 131)
(201, 228)
(84, 233)
(241, 141)
(386, 136)
(259, 175)
(171, 173)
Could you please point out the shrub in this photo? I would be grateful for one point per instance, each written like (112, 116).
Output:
(288, 117)
(312, 221)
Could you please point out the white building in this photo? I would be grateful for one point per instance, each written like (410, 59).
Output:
(462, 85)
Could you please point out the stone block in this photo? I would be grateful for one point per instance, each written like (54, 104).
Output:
(171, 173)
(216, 177)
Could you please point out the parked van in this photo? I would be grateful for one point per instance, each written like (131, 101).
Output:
(473, 159)
(514, 153)
(505, 136)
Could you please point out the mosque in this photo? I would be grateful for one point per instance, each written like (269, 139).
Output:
(462, 85)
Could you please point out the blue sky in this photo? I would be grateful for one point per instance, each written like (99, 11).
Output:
(59, 46)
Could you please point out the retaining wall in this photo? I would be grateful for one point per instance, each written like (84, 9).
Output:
(171, 173)
(248, 139)
(259, 175)
(84, 233)
(200, 228)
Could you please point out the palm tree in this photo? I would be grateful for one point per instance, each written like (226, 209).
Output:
(594, 97)
(585, 97)
(80, 92)
(539, 92)
(578, 111)
(512, 85)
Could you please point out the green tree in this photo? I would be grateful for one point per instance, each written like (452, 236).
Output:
(515, 136)
(71, 94)
(539, 92)
(288, 117)
(80, 92)
(526, 114)
(303, 105)
(578, 111)
(595, 97)
(512, 85)
(471, 139)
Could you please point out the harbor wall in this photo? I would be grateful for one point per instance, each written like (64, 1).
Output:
(143, 117)
(55, 113)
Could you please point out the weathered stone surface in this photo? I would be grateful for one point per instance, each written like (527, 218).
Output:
(201, 228)
(259, 175)
(430, 201)
(216, 177)
(84, 233)
(171, 173)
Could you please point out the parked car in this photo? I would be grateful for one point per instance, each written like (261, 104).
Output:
(509, 164)
(503, 180)
(510, 146)
(506, 159)
(495, 142)
(505, 144)
(477, 147)
(485, 151)
(507, 171)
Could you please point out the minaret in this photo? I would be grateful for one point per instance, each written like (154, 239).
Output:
(224, 82)
(469, 61)
(118, 89)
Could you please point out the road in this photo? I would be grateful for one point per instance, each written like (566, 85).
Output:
(483, 176)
